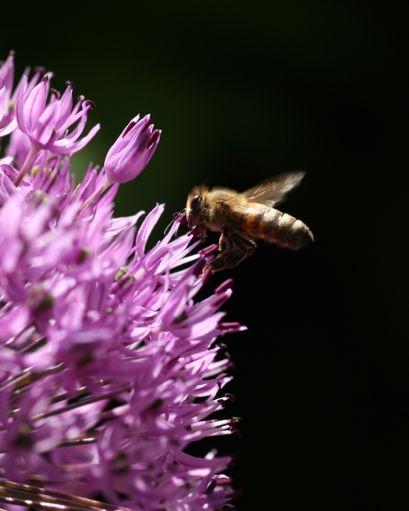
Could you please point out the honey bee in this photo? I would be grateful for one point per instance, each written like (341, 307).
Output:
(241, 218)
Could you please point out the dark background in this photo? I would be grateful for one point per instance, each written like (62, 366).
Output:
(243, 90)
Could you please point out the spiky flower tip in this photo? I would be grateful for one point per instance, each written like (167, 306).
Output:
(109, 365)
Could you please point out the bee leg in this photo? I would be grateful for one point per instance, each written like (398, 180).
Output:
(203, 234)
(224, 242)
(199, 231)
(233, 250)
(218, 263)
(242, 248)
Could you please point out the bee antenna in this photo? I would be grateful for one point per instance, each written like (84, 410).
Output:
(168, 227)
(177, 217)
(181, 217)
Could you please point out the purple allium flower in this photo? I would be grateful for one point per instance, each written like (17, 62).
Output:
(8, 122)
(8, 98)
(109, 363)
(132, 151)
(46, 118)
(51, 121)
(7, 118)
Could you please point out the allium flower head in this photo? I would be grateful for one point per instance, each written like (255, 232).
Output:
(46, 117)
(110, 366)
(50, 121)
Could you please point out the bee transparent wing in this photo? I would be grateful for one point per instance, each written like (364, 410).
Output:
(274, 190)
(235, 205)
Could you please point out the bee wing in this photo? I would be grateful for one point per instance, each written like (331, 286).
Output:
(236, 204)
(274, 190)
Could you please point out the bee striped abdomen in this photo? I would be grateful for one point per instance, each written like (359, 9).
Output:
(284, 230)
(252, 223)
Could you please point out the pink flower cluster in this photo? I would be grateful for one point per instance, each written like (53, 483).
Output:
(109, 364)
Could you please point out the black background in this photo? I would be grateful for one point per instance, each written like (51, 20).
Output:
(243, 90)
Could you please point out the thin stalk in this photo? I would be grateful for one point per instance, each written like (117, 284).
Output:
(28, 377)
(10, 497)
(78, 441)
(28, 162)
(44, 496)
(80, 392)
(96, 194)
(33, 345)
(84, 402)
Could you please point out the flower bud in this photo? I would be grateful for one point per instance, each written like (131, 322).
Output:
(132, 151)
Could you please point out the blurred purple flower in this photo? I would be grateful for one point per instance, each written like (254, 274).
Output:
(109, 364)
(8, 122)
(132, 151)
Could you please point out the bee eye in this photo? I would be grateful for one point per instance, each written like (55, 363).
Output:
(196, 201)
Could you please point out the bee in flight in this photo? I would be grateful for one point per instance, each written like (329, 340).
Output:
(241, 218)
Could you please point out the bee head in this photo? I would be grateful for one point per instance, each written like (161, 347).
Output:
(195, 206)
